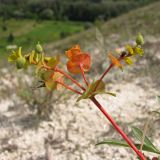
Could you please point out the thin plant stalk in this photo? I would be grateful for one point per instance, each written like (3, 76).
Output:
(130, 143)
(68, 87)
(66, 75)
(69, 77)
(104, 74)
(109, 68)
(83, 75)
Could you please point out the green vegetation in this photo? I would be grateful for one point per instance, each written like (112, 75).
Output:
(29, 32)
(79, 10)
(144, 20)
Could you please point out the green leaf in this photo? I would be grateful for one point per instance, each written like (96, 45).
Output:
(92, 89)
(114, 142)
(103, 92)
(12, 57)
(139, 135)
(101, 86)
(52, 62)
(121, 143)
(51, 79)
(46, 75)
(50, 84)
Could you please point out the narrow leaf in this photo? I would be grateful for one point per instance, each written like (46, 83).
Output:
(120, 143)
(103, 92)
(139, 135)
(92, 90)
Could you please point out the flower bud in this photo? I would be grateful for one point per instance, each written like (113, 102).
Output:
(39, 48)
(139, 39)
(20, 63)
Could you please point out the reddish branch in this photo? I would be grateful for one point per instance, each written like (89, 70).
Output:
(130, 143)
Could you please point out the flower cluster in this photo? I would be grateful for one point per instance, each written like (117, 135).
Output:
(128, 53)
(78, 60)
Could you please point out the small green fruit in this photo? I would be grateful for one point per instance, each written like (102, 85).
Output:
(20, 63)
(139, 39)
(39, 48)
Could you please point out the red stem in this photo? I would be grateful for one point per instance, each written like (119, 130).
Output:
(107, 70)
(65, 74)
(68, 87)
(131, 144)
(69, 77)
(83, 75)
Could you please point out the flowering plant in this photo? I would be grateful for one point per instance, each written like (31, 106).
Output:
(53, 78)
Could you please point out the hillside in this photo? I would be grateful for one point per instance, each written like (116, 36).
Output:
(144, 20)
(28, 32)
(79, 10)
(39, 125)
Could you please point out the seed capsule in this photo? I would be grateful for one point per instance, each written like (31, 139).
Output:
(139, 39)
(39, 48)
(20, 63)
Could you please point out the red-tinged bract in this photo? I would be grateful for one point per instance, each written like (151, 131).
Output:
(76, 59)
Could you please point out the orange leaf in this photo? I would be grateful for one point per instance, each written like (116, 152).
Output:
(115, 61)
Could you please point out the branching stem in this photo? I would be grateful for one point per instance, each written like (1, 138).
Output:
(69, 77)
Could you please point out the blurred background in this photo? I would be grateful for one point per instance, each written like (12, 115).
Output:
(37, 125)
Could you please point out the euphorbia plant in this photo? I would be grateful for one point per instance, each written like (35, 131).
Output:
(53, 77)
